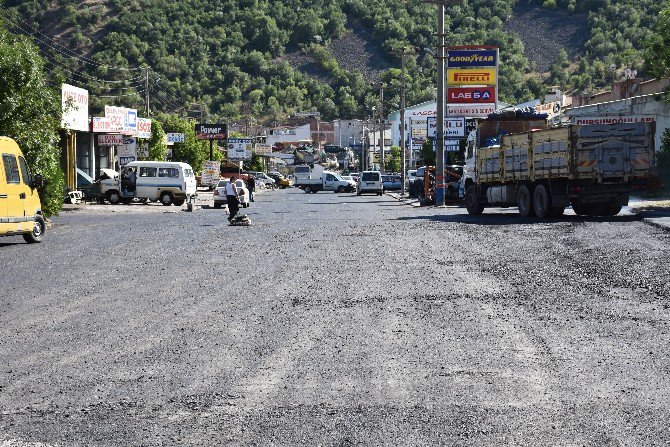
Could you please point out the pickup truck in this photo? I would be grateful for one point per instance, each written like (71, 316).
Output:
(328, 181)
(595, 168)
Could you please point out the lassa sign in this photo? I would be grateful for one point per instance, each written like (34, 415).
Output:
(471, 95)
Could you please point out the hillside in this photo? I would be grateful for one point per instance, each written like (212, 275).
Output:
(272, 58)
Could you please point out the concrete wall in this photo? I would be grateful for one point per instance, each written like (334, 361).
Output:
(646, 105)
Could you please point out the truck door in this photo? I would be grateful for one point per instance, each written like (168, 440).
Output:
(330, 183)
(146, 182)
(31, 201)
(15, 195)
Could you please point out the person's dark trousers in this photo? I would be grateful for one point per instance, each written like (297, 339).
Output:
(251, 195)
(233, 206)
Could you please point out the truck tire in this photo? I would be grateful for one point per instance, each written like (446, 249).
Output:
(472, 201)
(612, 209)
(557, 211)
(579, 209)
(542, 202)
(524, 200)
(308, 189)
(341, 189)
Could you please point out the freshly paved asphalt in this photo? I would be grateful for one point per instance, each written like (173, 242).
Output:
(335, 320)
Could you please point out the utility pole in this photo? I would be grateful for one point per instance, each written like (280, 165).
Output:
(382, 125)
(403, 144)
(146, 89)
(441, 95)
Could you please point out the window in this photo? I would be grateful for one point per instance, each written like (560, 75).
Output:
(188, 173)
(330, 178)
(11, 168)
(168, 172)
(147, 172)
(24, 171)
(370, 177)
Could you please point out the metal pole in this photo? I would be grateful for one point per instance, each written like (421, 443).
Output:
(382, 126)
(403, 144)
(439, 149)
(374, 137)
(147, 90)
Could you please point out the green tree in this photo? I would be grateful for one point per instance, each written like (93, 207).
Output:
(427, 154)
(657, 53)
(255, 164)
(30, 113)
(393, 164)
(158, 150)
(192, 151)
(663, 159)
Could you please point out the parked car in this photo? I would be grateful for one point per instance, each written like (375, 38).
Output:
(392, 182)
(220, 198)
(370, 182)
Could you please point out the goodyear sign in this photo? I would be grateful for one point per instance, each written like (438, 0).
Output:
(471, 58)
(471, 76)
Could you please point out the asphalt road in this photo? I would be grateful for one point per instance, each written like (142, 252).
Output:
(334, 320)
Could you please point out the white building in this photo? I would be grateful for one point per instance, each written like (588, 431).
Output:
(640, 106)
(289, 135)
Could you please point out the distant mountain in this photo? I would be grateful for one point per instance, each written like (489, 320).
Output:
(263, 60)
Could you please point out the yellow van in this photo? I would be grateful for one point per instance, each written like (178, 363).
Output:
(20, 207)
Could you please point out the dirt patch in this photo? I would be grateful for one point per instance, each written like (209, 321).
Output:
(545, 32)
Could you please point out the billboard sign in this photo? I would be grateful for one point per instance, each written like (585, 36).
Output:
(143, 128)
(471, 110)
(110, 140)
(581, 120)
(449, 145)
(263, 149)
(239, 148)
(471, 76)
(123, 119)
(175, 137)
(127, 151)
(211, 131)
(454, 127)
(471, 58)
(471, 95)
(101, 124)
(74, 102)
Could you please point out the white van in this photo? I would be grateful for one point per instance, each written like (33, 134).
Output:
(169, 182)
(370, 182)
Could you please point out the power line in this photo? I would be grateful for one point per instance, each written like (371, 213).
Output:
(68, 50)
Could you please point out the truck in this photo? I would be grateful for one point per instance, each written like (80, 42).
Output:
(327, 181)
(541, 170)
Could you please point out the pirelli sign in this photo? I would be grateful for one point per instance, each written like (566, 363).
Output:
(471, 76)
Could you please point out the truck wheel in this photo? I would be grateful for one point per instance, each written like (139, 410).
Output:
(611, 209)
(35, 236)
(557, 211)
(541, 202)
(308, 189)
(524, 201)
(341, 189)
(579, 209)
(472, 201)
(166, 198)
(113, 197)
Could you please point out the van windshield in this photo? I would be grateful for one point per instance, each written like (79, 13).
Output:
(188, 172)
(370, 177)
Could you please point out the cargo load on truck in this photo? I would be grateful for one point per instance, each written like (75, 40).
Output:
(543, 170)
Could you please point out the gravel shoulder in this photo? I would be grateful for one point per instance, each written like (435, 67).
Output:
(335, 320)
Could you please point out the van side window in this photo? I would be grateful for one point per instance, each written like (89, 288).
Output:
(147, 172)
(168, 172)
(11, 168)
(330, 178)
(25, 173)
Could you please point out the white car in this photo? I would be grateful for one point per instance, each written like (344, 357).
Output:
(220, 198)
(264, 179)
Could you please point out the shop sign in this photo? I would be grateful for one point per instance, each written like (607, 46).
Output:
(454, 127)
(211, 131)
(471, 110)
(581, 120)
(110, 140)
(175, 137)
(263, 149)
(471, 76)
(239, 148)
(101, 124)
(123, 119)
(74, 102)
(143, 128)
(127, 151)
(471, 58)
(471, 95)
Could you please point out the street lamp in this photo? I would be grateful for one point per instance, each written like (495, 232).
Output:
(382, 125)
